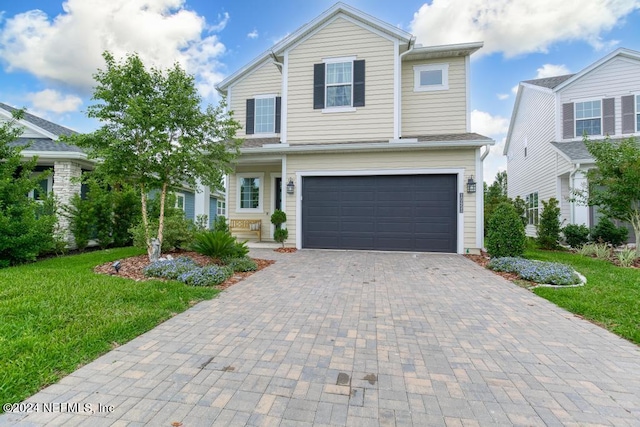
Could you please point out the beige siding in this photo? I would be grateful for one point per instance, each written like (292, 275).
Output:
(614, 79)
(267, 198)
(374, 121)
(441, 159)
(267, 79)
(434, 112)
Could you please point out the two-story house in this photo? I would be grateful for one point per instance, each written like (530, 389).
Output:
(361, 137)
(546, 155)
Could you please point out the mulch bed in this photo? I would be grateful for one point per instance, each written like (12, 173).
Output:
(131, 268)
(285, 250)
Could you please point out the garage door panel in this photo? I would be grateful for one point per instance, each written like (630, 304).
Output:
(396, 212)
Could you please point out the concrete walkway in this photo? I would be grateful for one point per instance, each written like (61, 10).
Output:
(356, 338)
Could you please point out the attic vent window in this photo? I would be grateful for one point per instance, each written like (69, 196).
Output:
(431, 77)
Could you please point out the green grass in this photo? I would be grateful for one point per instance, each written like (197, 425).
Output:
(610, 298)
(57, 315)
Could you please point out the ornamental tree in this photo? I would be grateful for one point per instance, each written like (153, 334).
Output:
(613, 185)
(154, 134)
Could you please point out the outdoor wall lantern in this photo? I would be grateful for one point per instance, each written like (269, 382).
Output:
(471, 185)
(290, 186)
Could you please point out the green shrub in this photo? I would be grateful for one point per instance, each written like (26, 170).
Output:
(220, 224)
(81, 220)
(127, 212)
(521, 209)
(576, 235)
(280, 235)
(210, 275)
(178, 233)
(242, 264)
(606, 232)
(278, 218)
(548, 227)
(626, 257)
(599, 250)
(216, 244)
(552, 273)
(505, 232)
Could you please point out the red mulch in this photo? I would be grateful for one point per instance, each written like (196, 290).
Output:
(483, 259)
(131, 268)
(285, 250)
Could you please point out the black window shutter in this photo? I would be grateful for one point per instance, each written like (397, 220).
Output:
(608, 116)
(358, 83)
(628, 119)
(318, 86)
(278, 113)
(568, 125)
(251, 106)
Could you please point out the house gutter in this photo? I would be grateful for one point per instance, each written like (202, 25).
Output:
(412, 41)
(486, 152)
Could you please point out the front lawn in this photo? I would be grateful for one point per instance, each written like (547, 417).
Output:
(610, 298)
(57, 315)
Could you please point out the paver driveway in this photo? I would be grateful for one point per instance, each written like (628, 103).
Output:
(357, 338)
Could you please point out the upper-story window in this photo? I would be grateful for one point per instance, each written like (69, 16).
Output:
(263, 115)
(338, 84)
(588, 118)
(431, 77)
(265, 120)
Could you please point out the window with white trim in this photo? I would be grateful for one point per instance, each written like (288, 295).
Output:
(221, 208)
(249, 192)
(430, 77)
(339, 84)
(532, 208)
(589, 118)
(265, 115)
(45, 186)
(180, 201)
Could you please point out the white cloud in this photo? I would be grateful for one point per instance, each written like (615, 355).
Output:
(495, 127)
(518, 26)
(502, 96)
(253, 34)
(488, 125)
(222, 23)
(550, 70)
(53, 101)
(67, 48)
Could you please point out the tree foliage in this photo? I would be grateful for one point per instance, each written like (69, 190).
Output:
(505, 232)
(154, 134)
(548, 227)
(26, 226)
(613, 184)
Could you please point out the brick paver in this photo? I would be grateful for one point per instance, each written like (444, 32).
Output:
(359, 339)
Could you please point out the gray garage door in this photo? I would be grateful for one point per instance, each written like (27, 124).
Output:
(390, 212)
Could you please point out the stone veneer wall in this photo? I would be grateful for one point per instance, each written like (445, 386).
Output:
(65, 185)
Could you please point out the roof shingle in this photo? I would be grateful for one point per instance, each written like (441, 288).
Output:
(549, 82)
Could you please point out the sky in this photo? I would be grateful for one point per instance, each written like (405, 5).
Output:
(50, 49)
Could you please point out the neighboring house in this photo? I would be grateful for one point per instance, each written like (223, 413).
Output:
(67, 163)
(546, 155)
(361, 137)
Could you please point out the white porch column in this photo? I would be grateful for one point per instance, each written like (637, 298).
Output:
(66, 183)
(580, 210)
(201, 201)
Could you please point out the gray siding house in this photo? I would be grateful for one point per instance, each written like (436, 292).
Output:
(546, 156)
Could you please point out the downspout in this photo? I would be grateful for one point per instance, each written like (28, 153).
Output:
(573, 204)
(411, 45)
(486, 152)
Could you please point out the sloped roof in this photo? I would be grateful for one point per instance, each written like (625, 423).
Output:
(40, 122)
(46, 144)
(300, 33)
(575, 151)
(549, 82)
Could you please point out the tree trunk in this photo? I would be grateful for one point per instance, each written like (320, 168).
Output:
(163, 197)
(634, 219)
(145, 221)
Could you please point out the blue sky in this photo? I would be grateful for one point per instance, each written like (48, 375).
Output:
(49, 49)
